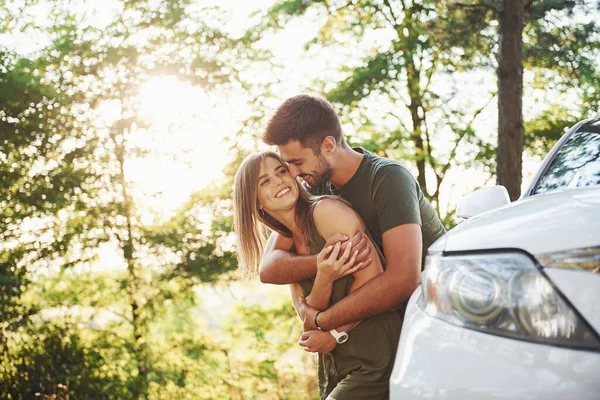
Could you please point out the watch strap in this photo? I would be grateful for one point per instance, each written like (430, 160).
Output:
(340, 337)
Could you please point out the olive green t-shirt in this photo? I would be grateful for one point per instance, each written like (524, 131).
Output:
(386, 195)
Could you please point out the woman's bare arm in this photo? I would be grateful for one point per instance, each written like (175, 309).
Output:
(333, 216)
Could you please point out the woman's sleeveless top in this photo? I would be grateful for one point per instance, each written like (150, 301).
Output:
(361, 367)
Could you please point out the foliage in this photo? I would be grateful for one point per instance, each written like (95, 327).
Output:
(66, 192)
(264, 335)
(73, 368)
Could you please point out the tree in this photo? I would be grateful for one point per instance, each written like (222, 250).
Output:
(559, 49)
(402, 75)
(510, 96)
(398, 63)
(65, 176)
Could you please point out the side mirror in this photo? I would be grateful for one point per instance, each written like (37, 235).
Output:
(482, 200)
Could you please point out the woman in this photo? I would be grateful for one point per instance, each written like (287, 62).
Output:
(265, 194)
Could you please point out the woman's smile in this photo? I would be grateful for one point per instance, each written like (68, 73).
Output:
(283, 192)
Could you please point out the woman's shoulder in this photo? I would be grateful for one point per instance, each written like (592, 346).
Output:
(327, 206)
(332, 215)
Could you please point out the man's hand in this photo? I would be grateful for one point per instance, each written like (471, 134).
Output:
(317, 342)
(360, 249)
(361, 243)
(307, 314)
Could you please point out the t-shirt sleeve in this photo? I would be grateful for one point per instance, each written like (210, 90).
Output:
(396, 197)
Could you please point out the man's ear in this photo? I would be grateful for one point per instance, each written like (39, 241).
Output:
(328, 145)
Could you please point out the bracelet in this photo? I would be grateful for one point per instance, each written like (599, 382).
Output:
(316, 323)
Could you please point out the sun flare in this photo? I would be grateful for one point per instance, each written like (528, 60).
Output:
(184, 141)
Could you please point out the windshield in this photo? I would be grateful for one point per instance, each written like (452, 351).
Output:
(576, 164)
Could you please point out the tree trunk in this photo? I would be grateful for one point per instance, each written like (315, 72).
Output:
(407, 46)
(140, 388)
(510, 96)
(414, 91)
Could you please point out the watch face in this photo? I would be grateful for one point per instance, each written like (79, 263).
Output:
(342, 338)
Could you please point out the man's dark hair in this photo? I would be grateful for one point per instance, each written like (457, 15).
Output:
(307, 118)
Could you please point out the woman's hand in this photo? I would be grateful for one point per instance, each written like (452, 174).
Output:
(332, 268)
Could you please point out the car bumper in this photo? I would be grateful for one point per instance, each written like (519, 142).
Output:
(439, 360)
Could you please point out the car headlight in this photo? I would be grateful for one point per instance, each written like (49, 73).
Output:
(503, 294)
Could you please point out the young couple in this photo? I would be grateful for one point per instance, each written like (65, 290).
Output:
(351, 249)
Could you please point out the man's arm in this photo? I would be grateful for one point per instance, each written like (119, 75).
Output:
(402, 248)
(280, 267)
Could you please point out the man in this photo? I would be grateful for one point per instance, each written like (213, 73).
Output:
(402, 223)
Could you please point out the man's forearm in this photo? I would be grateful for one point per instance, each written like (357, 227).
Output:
(374, 297)
(281, 267)
(348, 327)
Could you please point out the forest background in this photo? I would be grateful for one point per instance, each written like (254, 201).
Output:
(122, 124)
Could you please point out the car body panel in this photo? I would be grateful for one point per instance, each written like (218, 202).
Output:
(532, 224)
(442, 361)
(582, 288)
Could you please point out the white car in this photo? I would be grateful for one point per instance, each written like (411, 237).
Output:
(509, 305)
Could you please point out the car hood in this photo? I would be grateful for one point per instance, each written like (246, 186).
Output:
(539, 224)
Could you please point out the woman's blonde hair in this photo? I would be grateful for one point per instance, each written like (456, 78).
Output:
(250, 224)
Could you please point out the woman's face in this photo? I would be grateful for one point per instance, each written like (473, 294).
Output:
(277, 190)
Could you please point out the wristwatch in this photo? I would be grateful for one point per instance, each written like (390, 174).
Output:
(340, 337)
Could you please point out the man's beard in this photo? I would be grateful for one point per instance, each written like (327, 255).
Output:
(320, 176)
